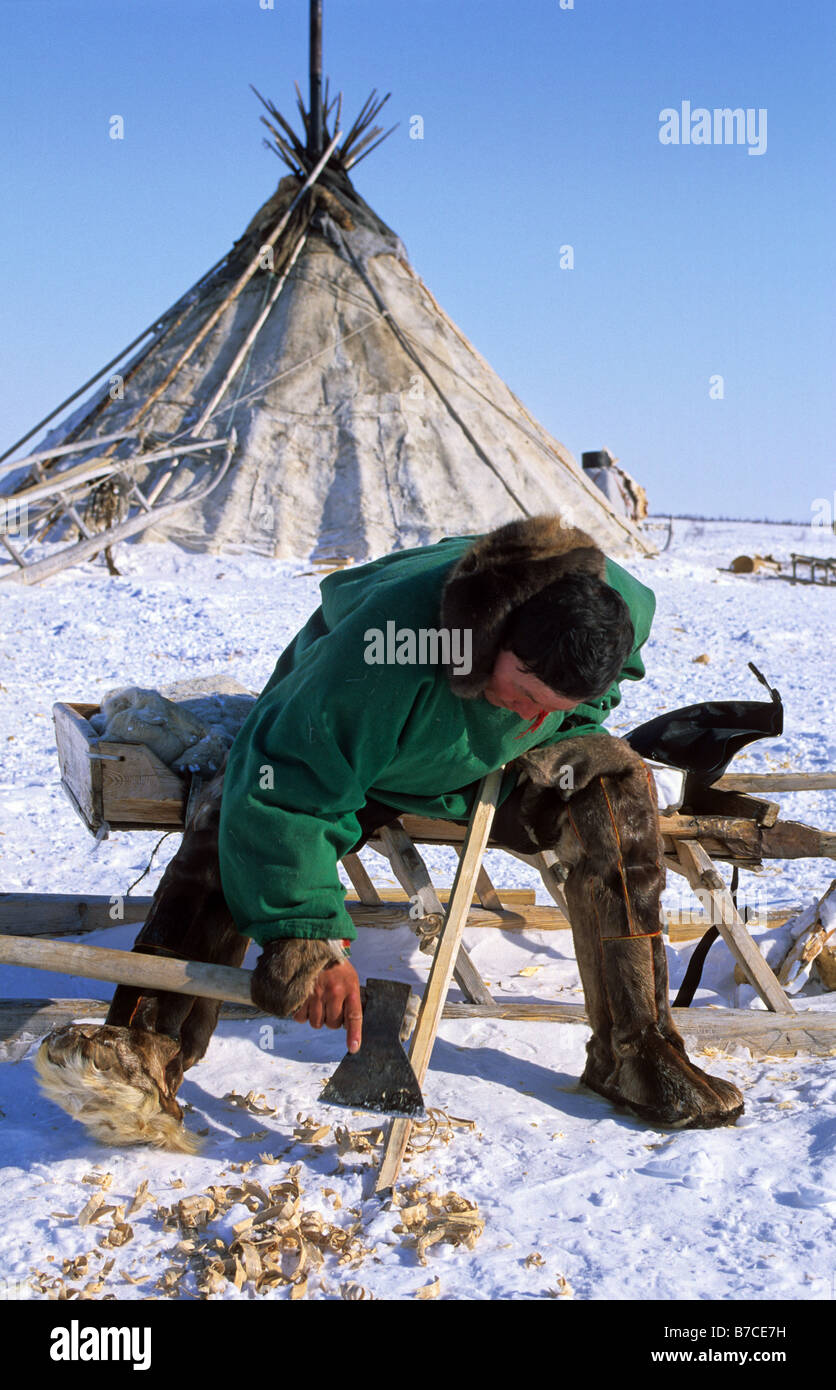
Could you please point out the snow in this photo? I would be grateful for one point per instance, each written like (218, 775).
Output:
(617, 1209)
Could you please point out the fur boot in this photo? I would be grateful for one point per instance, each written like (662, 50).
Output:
(114, 1081)
(591, 800)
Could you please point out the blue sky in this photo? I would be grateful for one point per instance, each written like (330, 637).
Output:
(541, 130)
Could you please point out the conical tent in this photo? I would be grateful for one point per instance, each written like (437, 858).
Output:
(347, 414)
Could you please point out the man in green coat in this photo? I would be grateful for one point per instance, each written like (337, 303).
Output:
(420, 673)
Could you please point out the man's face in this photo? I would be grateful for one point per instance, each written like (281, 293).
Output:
(512, 687)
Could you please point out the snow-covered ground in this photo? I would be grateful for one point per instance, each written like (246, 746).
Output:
(576, 1199)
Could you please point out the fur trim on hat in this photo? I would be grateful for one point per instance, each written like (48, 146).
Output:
(499, 573)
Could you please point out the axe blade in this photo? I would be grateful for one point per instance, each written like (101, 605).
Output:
(379, 1075)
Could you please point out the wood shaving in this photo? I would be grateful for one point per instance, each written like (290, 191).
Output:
(563, 1290)
(102, 1180)
(436, 1129)
(310, 1132)
(432, 1290)
(195, 1211)
(534, 1260)
(250, 1102)
(88, 1211)
(119, 1234)
(354, 1292)
(254, 1189)
(140, 1197)
(363, 1141)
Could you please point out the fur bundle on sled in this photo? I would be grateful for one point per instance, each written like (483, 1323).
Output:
(113, 1080)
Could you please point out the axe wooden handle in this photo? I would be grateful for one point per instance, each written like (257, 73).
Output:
(128, 968)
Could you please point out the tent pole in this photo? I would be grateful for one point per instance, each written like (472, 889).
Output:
(315, 137)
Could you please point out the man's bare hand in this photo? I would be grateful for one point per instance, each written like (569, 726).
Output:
(335, 1001)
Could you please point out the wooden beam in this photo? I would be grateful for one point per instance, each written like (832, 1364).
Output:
(765, 1034)
(72, 914)
(67, 914)
(441, 970)
(363, 886)
(776, 781)
(412, 873)
(33, 1018)
(702, 874)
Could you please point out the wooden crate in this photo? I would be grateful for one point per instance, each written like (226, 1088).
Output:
(122, 784)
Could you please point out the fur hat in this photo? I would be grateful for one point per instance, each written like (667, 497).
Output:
(499, 573)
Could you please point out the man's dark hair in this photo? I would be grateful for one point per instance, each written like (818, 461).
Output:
(574, 636)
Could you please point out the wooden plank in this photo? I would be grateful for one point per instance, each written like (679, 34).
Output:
(714, 801)
(690, 926)
(71, 914)
(510, 898)
(37, 1017)
(441, 970)
(79, 447)
(427, 830)
(66, 914)
(411, 871)
(77, 476)
(74, 738)
(701, 874)
(140, 788)
(363, 886)
(127, 968)
(777, 781)
(765, 1034)
(485, 891)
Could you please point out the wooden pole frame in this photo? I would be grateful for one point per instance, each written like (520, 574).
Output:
(441, 971)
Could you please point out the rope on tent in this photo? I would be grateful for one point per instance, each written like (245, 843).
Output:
(334, 231)
(305, 362)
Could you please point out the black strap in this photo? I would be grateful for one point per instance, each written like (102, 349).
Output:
(693, 974)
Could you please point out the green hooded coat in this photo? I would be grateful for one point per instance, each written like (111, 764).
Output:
(333, 728)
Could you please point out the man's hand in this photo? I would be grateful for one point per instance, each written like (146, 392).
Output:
(307, 979)
(335, 1001)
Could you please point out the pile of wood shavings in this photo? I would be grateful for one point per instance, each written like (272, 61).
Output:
(428, 1217)
(280, 1244)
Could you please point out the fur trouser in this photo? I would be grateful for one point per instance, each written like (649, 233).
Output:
(591, 800)
(189, 919)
